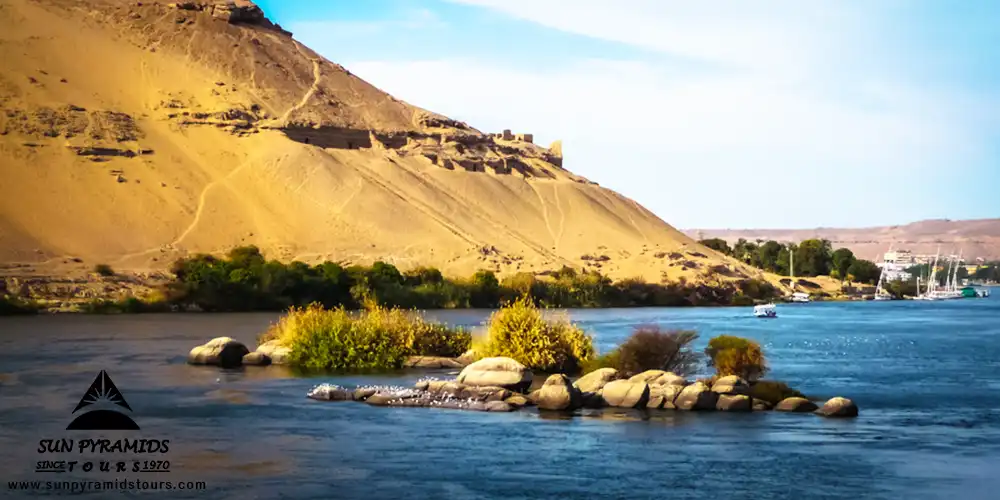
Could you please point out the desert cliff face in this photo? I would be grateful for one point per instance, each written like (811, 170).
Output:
(133, 133)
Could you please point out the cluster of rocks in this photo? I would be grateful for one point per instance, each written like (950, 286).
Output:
(499, 384)
(232, 11)
(225, 352)
(502, 384)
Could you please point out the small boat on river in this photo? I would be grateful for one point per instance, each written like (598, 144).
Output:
(765, 311)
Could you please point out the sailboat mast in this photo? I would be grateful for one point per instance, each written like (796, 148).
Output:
(947, 277)
(954, 274)
(791, 265)
(932, 281)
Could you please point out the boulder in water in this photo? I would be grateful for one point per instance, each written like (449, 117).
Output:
(558, 393)
(626, 394)
(256, 359)
(596, 380)
(331, 392)
(517, 401)
(221, 351)
(734, 402)
(838, 407)
(274, 350)
(501, 372)
(499, 406)
(796, 405)
(647, 376)
(696, 397)
(663, 396)
(731, 384)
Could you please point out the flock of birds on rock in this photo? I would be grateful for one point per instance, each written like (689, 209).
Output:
(400, 396)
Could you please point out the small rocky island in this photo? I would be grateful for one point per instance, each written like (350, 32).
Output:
(500, 384)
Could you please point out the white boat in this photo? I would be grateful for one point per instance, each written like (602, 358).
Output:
(800, 297)
(765, 311)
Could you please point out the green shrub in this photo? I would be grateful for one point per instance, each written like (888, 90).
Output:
(434, 339)
(519, 331)
(652, 348)
(773, 391)
(244, 280)
(731, 355)
(104, 270)
(12, 306)
(378, 339)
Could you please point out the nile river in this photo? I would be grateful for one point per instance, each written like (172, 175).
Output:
(926, 377)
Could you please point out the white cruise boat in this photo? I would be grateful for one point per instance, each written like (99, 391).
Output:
(765, 311)
(800, 297)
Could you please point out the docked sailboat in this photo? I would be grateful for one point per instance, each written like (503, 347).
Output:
(950, 289)
(931, 280)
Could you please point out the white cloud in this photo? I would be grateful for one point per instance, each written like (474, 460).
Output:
(771, 35)
(802, 121)
(676, 144)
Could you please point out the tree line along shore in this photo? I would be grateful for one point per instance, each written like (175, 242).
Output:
(245, 280)
(817, 257)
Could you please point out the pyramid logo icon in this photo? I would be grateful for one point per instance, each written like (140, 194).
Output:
(103, 390)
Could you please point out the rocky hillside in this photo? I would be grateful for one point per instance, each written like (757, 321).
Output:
(132, 133)
(975, 238)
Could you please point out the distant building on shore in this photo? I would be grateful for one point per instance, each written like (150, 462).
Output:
(895, 263)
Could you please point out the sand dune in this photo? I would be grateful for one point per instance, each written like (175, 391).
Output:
(137, 132)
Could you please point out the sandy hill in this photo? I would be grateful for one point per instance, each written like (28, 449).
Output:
(133, 133)
(975, 238)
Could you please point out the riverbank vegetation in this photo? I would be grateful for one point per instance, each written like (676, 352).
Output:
(377, 339)
(245, 281)
(14, 306)
(812, 257)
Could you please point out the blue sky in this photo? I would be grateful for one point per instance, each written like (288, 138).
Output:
(712, 114)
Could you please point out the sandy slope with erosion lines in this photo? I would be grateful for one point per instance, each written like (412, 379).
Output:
(133, 133)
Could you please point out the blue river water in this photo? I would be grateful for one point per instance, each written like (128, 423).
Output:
(926, 376)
